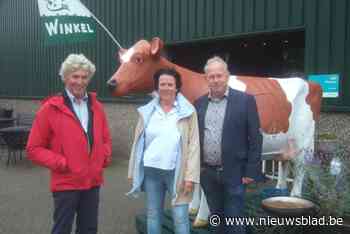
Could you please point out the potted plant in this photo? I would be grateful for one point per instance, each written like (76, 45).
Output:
(326, 142)
(327, 181)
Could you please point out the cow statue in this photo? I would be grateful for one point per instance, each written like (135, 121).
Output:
(288, 108)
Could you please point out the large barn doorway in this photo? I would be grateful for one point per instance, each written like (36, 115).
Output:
(274, 55)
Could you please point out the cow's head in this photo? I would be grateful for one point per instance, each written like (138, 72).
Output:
(137, 66)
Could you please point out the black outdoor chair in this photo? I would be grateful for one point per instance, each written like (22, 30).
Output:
(6, 120)
(16, 137)
(3, 145)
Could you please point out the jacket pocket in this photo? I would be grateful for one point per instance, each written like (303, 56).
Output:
(57, 149)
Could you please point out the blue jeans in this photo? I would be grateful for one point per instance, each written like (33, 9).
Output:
(223, 199)
(156, 183)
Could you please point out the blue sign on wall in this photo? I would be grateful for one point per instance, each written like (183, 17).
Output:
(329, 84)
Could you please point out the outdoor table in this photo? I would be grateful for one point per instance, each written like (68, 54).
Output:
(15, 138)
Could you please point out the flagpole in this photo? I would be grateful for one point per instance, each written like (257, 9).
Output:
(102, 25)
(107, 31)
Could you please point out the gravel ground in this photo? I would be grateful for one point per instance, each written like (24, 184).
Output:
(26, 202)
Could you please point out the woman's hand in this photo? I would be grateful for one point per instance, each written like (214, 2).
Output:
(188, 187)
(130, 181)
(107, 161)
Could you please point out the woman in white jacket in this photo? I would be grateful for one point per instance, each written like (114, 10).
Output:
(165, 154)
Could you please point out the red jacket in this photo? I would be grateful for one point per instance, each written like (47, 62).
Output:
(57, 141)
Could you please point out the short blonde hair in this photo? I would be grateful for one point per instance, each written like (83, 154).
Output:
(216, 59)
(75, 62)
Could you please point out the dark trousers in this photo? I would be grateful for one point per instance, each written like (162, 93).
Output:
(83, 203)
(223, 200)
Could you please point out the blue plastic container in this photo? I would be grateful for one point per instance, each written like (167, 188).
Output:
(273, 192)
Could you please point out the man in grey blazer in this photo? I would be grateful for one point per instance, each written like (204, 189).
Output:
(231, 144)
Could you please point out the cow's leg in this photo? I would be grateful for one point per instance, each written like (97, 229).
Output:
(299, 161)
(299, 166)
(283, 165)
(203, 212)
(194, 205)
(292, 152)
(299, 172)
(283, 171)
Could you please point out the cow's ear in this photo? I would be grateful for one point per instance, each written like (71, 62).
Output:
(156, 46)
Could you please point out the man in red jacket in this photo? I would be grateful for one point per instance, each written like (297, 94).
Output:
(70, 136)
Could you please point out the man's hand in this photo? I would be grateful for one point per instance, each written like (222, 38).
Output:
(247, 180)
(188, 187)
(63, 165)
(107, 161)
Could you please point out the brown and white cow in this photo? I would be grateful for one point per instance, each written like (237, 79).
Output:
(288, 108)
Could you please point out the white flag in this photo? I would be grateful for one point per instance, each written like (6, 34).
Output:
(66, 21)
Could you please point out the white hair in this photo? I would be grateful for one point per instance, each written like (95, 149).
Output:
(75, 62)
(216, 59)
